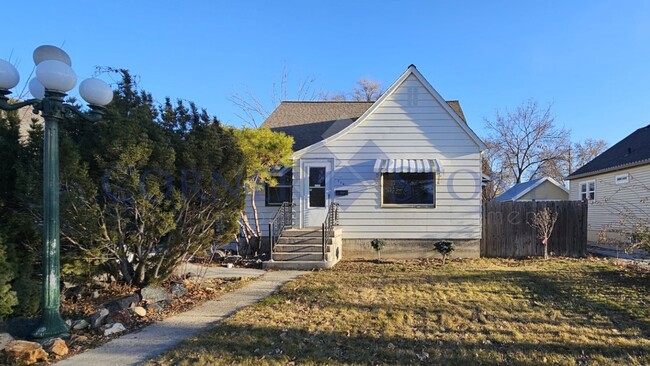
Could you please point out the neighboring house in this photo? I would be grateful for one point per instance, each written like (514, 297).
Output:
(540, 189)
(617, 185)
(27, 117)
(406, 168)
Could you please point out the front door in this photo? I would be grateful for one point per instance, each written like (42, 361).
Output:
(316, 195)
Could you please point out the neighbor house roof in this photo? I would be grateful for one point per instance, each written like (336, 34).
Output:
(313, 121)
(632, 150)
(518, 190)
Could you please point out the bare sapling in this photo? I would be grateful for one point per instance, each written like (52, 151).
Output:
(543, 223)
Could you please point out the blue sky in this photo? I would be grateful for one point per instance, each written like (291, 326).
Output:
(590, 59)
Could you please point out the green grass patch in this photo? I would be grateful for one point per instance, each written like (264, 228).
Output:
(468, 312)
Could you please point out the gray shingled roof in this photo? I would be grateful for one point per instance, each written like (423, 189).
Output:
(310, 122)
(632, 150)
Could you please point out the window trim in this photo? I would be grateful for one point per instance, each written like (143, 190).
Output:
(587, 192)
(285, 186)
(413, 205)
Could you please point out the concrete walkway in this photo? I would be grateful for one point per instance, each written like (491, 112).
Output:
(218, 271)
(136, 348)
(638, 257)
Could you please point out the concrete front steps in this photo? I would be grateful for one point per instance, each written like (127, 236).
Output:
(303, 249)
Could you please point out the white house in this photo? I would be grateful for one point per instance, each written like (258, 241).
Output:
(617, 185)
(405, 168)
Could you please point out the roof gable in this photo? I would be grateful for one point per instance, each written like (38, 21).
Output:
(632, 150)
(519, 190)
(334, 129)
(309, 122)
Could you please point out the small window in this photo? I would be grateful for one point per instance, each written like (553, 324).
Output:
(588, 190)
(408, 189)
(281, 192)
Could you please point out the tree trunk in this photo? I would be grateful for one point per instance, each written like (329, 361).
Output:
(248, 231)
(545, 243)
(256, 219)
(126, 269)
(140, 274)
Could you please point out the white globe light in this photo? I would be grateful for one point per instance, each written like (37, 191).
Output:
(36, 89)
(95, 91)
(9, 76)
(56, 75)
(47, 52)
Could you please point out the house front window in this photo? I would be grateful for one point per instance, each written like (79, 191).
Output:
(407, 189)
(281, 192)
(588, 190)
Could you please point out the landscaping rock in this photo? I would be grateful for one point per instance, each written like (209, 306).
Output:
(155, 307)
(178, 289)
(4, 339)
(218, 255)
(122, 316)
(97, 318)
(56, 346)
(123, 303)
(71, 292)
(114, 329)
(80, 324)
(79, 339)
(140, 311)
(232, 259)
(24, 352)
(19, 327)
(152, 294)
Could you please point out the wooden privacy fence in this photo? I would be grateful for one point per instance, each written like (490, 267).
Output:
(507, 231)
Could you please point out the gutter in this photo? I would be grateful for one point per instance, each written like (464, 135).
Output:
(610, 169)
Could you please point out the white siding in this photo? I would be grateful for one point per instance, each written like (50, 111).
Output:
(398, 129)
(611, 199)
(265, 213)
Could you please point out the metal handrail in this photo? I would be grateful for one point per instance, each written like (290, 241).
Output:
(331, 220)
(282, 219)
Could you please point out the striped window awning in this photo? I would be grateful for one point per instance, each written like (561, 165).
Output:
(407, 166)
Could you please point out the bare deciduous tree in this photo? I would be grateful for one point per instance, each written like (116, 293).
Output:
(582, 153)
(498, 177)
(579, 154)
(544, 222)
(628, 209)
(366, 90)
(524, 141)
(254, 110)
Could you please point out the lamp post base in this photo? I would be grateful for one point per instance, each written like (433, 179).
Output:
(51, 325)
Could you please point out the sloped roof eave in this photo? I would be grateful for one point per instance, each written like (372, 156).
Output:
(609, 169)
(411, 70)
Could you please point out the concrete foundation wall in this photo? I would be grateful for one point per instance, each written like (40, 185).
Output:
(409, 249)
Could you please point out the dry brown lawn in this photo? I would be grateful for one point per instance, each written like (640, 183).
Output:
(468, 312)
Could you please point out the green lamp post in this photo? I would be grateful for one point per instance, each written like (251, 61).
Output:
(54, 78)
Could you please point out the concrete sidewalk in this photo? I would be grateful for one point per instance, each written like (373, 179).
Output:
(638, 257)
(136, 348)
(218, 271)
